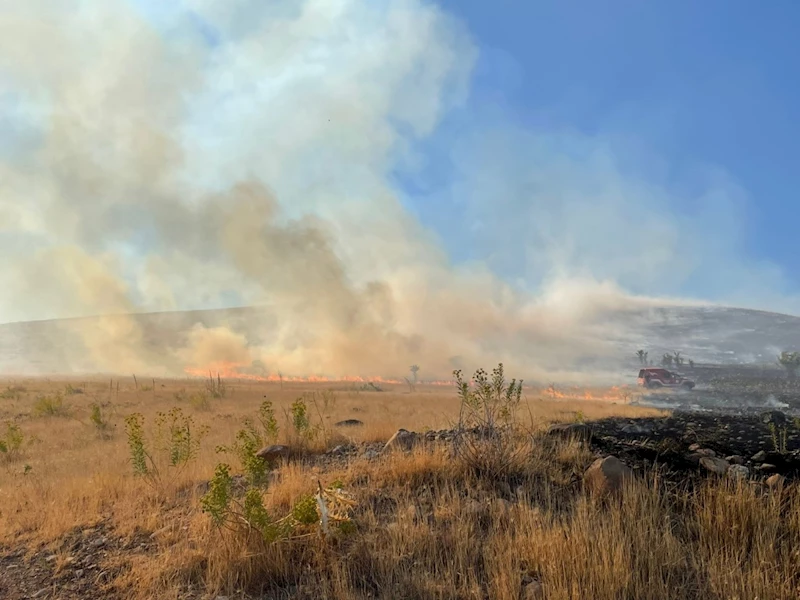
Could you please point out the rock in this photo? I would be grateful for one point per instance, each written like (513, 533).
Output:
(718, 466)
(735, 459)
(759, 456)
(694, 447)
(78, 573)
(579, 431)
(274, 452)
(706, 452)
(636, 429)
(606, 475)
(370, 454)
(340, 449)
(738, 472)
(402, 440)
(767, 468)
(775, 481)
(349, 423)
(532, 590)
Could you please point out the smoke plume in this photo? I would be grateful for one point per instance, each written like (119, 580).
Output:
(208, 154)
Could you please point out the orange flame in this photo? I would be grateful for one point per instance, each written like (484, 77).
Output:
(234, 371)
(228, 370)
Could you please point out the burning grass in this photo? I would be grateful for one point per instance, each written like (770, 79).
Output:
(426, 524)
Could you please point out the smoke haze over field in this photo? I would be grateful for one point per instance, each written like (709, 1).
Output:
(210, 154)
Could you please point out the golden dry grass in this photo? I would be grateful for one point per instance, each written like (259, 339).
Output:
(426, 526)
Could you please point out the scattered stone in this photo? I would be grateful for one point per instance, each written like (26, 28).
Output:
(97, 542)
(402, 440)
(273, 452)
(370, 454)
(78, 573)
(759, 456)
(718, 466)
(738, 472)
(775, 481)
(735, 459)
(340, 449)
(349, 423)
(767, 468)
(695, 457)
(636, 429)
(694, 447)
(606, 475)
(579, 431)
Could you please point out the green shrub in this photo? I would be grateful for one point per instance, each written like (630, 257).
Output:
(13, 392)
(200, 401)
(218, 498)
(140, 459)
(250, 439)
(50, 406)
(302, 429)
(305, 511)
(12, 441)
(177, 436)
(96, 417)
(269, 424)
(176, 439)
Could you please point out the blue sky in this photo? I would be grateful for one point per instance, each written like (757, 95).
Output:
(691, 85)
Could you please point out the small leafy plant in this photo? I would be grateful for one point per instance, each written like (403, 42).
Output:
(250, 439)
(302, 430)
(177, 441)
(487, 441)
(11, 442)
(12, 392)
(50, 406)
(98, 419)
(779, 437)
(248, 513)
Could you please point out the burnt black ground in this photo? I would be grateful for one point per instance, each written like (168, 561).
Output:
(664, 441)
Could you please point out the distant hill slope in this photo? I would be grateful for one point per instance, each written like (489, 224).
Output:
(705, 334)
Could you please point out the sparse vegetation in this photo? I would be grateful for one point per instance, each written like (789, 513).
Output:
(176, 439)
(11, 442)
(427, 521)
(98, 419)
(488, 440)
(250, 439)
(50, 406)
(215, 387)
(12, 392)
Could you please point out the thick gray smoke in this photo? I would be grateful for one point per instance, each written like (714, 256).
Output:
(215, 153)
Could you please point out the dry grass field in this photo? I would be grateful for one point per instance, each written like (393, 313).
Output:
(76, 521)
